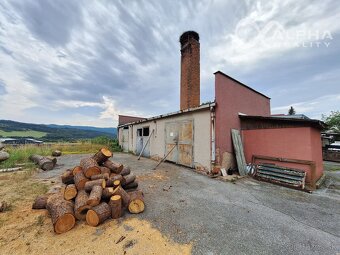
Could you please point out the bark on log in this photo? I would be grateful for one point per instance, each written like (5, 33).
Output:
(109, 182)
(67, 177)
(132, 185)
(105, 176)
(56, 153)
(90, 184)
(70, 192)
(80, 206)
(90, 167)
(3, 156)
(129, 179)
(136, 203)
(80, 180)
(102, 155)
(95, 196)
(45, 163)
(61, 212)
(105, 170)
(98, 214)
(125, 171)
(113, 166)
(76, 170)
(41, 201)
(124, 195)
(107, 193)
(116, 206)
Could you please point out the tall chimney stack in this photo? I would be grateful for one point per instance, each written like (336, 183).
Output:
(190, 70)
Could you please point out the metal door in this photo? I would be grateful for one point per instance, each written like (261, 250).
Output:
(125, 140)
(180, 135)
(142, 138)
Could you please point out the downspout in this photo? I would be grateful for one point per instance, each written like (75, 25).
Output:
(212, 135)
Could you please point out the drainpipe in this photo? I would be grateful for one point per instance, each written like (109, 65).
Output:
(212, 129)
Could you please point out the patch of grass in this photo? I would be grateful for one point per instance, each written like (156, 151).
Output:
(40, 220)
(26, 133)
(329, 167)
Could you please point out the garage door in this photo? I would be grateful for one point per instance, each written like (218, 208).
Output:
(179, 139)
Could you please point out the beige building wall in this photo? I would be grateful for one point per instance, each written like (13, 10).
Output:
(201, 139)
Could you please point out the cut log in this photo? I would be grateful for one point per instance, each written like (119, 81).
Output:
(41, 201)
(113, 178)
(80, 180)
(105, 176)
(90, 184)
(61, 212)
(45, 163)
(56, 153)
(132, 185)
(105, 170)
(102, 155)
(70, 192)
(136, 203)
(95, 196)
(125, 171)
(3, 156)
(107, 193)
(116, 183)
(116, 206)
(98, 214)
(124, 195)
(129, 179)
(76, 170)
(90, 167)
(80, 206)
(2, 146)
(67, 177)
(113, 166)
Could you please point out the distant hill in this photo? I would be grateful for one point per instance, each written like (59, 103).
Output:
(44, 132)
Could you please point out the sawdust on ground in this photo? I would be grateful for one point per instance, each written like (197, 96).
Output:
(27, 231)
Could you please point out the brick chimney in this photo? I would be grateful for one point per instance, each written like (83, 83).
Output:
(190, 70)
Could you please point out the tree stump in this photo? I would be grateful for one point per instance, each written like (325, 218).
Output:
(45, 163)
(125, 171)
(102, 155)
(113, 166)
(80, 180)
(116, 206)
(90, 167)
(98, 214)
(67, 177)
(105, 176)
(129, 179)
(80, 206)
(136, 203)
(41, 201)
(56, 153)
(61, 212)
(90, 184)
(124, 195)
(132, 185)
(95, 196)
(70, 192)
(76, 170)
(105, 170)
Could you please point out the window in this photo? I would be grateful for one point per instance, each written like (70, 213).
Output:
(126, 127)
(146, 131)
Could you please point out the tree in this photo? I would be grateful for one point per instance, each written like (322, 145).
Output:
(332, 120)
(291, 111)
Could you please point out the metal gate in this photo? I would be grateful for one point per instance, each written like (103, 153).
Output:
(125, 140)
(142, 138)
(179, 137)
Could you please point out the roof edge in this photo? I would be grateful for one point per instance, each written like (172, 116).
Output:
(244, 85)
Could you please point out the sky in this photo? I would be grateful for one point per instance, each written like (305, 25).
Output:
(83, 62)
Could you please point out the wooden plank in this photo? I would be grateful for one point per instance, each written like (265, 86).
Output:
(238, 147)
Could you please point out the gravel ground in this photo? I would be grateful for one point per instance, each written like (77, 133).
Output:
(246, 217)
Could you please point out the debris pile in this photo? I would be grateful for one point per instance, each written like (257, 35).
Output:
(94, 191)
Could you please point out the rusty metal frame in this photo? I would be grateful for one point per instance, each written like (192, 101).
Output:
(312, 185)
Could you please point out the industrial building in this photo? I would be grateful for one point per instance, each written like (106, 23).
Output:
(199, 135)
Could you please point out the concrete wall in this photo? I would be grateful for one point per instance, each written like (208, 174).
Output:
(202, 141)
(233, 98)
(303, 143)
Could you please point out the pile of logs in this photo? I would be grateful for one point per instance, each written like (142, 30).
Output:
(94, 191)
